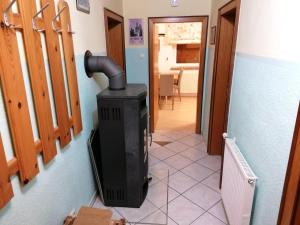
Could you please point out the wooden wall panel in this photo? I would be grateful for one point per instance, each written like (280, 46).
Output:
(57, 76)
(67, 40)
(188, 53)
(13, 88)
(6, 192)
(36, 66)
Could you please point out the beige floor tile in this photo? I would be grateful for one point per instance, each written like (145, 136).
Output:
(152, 160)
(194, 154)
(160, 170)
(207, 219)
(211, 162)
(219, 212)
(183, 212)
(190, 141)
(157, 194)
(203, 196)
(158, 217)
(213, 181)
(177, 147)
(197, 171)
(137, 214)
(162, 153)
(180, 182)
(178, 161)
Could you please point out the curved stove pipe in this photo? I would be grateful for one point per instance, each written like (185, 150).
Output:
(105, 65)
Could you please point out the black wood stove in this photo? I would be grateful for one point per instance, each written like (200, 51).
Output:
(121, 156)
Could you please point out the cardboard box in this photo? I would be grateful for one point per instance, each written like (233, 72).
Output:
(93, 216)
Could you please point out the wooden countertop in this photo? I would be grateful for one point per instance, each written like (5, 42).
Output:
(185, 67)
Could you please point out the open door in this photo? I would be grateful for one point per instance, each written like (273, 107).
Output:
(290, 202)
(153, 64)
(223, 69)
(154, 92)
(114, 32)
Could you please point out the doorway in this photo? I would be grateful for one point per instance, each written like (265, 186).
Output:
(114, 33)
(155, 38)
(222, 75)
(290, 203)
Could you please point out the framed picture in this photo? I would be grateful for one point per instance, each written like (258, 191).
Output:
(83, 5)
(136, 32)
(213, 35)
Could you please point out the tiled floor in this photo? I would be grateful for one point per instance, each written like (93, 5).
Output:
(194, 196)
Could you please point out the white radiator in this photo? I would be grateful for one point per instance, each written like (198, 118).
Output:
(238, 185)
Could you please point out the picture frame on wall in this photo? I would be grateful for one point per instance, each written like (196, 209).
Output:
(136, 32)
(83, 6)
(213, 35)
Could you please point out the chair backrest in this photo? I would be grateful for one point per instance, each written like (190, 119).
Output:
(166, 85)
(180, 76)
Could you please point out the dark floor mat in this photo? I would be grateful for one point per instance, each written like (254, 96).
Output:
(162, 143)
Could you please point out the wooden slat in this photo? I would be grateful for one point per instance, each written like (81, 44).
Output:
(36, 66)
(13, 88)
(70, 66)
(6, 192)
(57, 76)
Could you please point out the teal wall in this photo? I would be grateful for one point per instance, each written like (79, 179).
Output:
(67, 182)
(137, 69)
(264, 100)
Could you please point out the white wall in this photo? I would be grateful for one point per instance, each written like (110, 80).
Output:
(157, 8)
(90, 29)
(270, 28)
(67, 182)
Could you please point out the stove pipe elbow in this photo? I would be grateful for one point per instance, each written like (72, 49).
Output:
(105, 65)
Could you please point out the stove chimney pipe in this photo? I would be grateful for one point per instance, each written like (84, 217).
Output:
(105, 65)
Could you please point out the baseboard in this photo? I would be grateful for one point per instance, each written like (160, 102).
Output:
(93, 199)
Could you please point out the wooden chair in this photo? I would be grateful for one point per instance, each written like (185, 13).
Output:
(166, 88)
(177, 83)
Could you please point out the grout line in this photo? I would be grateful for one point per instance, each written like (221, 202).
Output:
(198, 180)
(216, 217)
(210, 188)
(206, 166)
(156, 210)
(207, 211)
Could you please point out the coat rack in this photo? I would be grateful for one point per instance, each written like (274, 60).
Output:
(31, 23)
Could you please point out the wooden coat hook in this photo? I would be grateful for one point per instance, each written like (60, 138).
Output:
(6, 16)
(34, 27)
(30, 22)
(58, 30)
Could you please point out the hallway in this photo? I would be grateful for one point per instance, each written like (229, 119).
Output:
(194, 196)
(183, 117)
